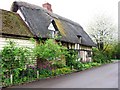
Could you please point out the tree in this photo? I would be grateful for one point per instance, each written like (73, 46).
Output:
(116, 53)
(102, 31)
(48, 50)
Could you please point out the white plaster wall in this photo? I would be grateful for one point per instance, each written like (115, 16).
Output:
(19, 42)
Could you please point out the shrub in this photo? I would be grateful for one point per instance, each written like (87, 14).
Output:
(95, 64)
(49, 50)
(71, 58)
(60, 71)
(14, 57)
(77, 65)
(117, 51)
(100, 57)
(45, 73)
(13, 61)
(58, 65)
(82, 66)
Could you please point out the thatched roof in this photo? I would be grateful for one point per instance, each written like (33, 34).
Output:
(13, 25)
(39, 20)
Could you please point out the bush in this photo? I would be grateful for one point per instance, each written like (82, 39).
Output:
(77, 65)
(49, 50)
(100, 57)
(19, 76)
(71, 58)
(14, 57)
(117, 51)
(95, 64)
(48, 73)
(82, 66)
(13, 61)
(45, 73)
(58, 65)
(60, 71)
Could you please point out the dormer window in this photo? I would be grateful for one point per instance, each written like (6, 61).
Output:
(79, 38)
(51, 27)
(52, 30)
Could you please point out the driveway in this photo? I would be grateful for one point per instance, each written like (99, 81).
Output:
(105, 76)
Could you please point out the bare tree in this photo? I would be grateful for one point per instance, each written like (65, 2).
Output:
(102, 30)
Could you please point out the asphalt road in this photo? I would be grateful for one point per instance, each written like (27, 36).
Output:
(105, 76)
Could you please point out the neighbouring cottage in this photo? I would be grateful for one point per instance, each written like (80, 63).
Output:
(14, 28)
(42, 22)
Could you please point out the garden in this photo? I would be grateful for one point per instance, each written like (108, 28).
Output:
(18, 63)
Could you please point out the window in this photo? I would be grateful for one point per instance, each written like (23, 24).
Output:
(51, 27)
(89, 53)
(53, 32)
(56, 33)
(80, 38)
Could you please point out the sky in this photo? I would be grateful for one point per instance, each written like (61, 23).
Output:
(80, 11)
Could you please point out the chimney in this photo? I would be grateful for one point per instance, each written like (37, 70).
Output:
(47, 6)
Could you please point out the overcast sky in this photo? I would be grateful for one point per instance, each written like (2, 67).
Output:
(80, 11)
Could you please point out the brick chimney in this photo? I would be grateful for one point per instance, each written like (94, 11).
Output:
(47, 6)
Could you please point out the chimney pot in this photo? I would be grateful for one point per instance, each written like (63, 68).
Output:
(47, 6)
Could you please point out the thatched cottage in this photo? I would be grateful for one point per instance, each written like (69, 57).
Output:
(42, 22)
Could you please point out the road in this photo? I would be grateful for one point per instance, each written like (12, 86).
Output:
(105, 76)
